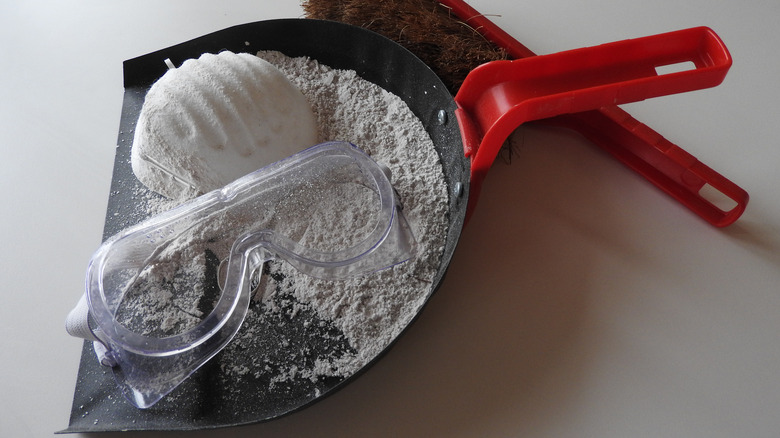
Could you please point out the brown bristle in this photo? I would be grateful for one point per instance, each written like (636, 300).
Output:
(425, 27)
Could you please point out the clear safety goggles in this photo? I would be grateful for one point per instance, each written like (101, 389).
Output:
(147, 304)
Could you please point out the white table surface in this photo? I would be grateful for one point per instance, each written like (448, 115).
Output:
(582, 302)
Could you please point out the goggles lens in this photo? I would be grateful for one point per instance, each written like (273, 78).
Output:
(168, 294)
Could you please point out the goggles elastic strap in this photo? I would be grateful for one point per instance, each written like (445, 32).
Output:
(77, 323)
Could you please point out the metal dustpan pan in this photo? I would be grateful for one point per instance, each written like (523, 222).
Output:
(466, 130)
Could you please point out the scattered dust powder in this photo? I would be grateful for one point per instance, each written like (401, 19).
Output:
(300, 328)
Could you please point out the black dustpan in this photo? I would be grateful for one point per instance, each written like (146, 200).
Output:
(205, 401)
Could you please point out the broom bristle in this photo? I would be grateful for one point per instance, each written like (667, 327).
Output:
(425, 27)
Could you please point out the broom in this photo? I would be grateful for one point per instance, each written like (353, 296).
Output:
(452, 39)
(427, 28)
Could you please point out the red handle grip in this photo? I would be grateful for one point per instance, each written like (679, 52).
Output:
(695, 185)
(633, 143)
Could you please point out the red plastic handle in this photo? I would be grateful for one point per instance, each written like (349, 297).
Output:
(633, 143)
(678, 173)
(499, 96)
